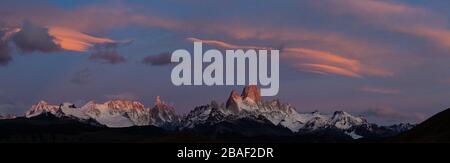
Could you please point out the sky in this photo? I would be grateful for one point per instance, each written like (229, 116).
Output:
(386, 60)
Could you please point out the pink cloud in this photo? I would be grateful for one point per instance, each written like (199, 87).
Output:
(326, 69)
(308, 60)
(330, 63)
(440, 37)
(373, 56)
(73, 40)
(395, 17)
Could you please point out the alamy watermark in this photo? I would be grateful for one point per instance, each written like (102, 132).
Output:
(213, 74)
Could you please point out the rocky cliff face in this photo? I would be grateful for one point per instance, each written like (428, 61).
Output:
(252, 93)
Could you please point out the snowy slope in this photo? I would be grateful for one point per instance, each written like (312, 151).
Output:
(40, 108)
(115, 113)
(118, 113)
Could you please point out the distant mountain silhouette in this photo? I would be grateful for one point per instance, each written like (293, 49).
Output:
(434, 129)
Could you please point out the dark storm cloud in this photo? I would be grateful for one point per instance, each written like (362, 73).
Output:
(32, 38)
(28, 39)
(158, 60)
(107, 53)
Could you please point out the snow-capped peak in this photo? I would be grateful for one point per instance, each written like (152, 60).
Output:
(344, 120)
(70, 110)
(118, 113)
(41, 107)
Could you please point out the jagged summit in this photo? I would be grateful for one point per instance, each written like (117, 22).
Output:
(340, 112)
(250, 95)
(234, 95)
(233, 100)
(40, 108)
(163, 114)
(158, 101)
(252, 92)
(161, 105)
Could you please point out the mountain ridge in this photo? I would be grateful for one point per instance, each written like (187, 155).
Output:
(247, 109)
(434, 129)
(113, 113)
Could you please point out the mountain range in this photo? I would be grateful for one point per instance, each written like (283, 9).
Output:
(241, 116)
(115, 113)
